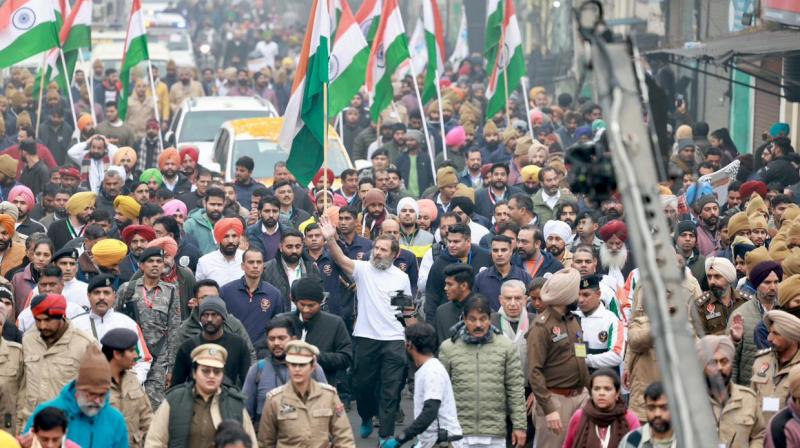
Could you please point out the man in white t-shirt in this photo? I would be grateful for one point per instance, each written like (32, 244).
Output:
(380, 357)
(434, 405)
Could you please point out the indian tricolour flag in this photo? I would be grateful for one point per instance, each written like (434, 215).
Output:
(76, 33)
(509, 66)
(304, 121)
(368, 17)
(27, 27)
(494, 31)
(434, 41)
(388, 52)
(348, 62)
(134, 52)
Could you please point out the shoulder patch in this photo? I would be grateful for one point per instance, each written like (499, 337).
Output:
(744, 389)
(275, 391)
(704, 298)
(13, 344)
(764, 351)
(327, 387)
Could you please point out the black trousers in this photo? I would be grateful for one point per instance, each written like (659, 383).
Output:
(378, 379)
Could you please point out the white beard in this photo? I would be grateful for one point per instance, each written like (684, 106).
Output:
(613, 261)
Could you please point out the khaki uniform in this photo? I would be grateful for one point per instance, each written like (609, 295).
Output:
(128, 396)
(640, 357)
(289, 421)
(557, 375)
(11, 371)
(709, 316)
(49, 369)
(771, 381)
(741, 424)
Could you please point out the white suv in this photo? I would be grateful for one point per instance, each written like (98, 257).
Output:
(198, 120)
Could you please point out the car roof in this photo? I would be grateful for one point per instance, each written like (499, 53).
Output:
(212, 103)
(261, 128)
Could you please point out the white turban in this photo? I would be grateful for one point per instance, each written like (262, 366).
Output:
(669, 199)
(558, 228)
(723, 266)
(408, 202)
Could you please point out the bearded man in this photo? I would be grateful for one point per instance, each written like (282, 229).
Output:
(614, 256)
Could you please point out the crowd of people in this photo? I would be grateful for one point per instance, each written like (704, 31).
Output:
(148, 301)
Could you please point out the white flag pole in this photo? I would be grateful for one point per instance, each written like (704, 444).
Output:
(428, 141)
(41, 95)
(155, 100)
(441, 117)
(524, 84)
(69, 91)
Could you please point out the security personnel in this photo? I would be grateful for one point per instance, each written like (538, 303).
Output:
(304, 413)
(603, 331)
(126, 394)
(771, 368)
(11, 380)
(557, 359)
(710, 313)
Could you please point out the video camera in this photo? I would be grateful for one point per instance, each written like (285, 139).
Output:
(404, 303)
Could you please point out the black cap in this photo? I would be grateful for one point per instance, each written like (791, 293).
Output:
(119, 339)
(590, 282)
(151, 252)
(307, 289)
(101, 281)
(66, 252)
(5, 292)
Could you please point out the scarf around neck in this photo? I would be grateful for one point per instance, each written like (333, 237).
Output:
(508, 329)
(593, 418)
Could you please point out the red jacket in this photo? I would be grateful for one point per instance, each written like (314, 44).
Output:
(41, 150)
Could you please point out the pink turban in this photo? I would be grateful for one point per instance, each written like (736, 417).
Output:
(456, 137)
(175, 205)
(224, 225)
(165, 243)
(25, 193)
(428, 207)
(562, 288)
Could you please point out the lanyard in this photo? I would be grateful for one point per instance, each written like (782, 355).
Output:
(147, 301)
(72, 231)
(606, 435)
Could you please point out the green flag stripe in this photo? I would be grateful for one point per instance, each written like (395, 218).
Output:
(40, 38)
(305, 156)
(79, 37)
(494, 30)
(384, 92)
(429, 90)
(515, 70)
(137, 52)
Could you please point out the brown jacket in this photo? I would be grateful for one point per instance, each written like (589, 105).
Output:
(12, 258)
(770, 380)
(641, 366)
(11, 371)
(710, 316)
(49, 369)
(741, 424)
(129, 397)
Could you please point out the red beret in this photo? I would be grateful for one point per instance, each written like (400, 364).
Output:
(753, 186)
(191, 151)
(612, 228)
(129, 232)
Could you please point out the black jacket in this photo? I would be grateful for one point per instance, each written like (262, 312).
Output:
(276, 276)
(434, 289)
(328, 333)
(424, 173)
(483, 203)
(447, 315)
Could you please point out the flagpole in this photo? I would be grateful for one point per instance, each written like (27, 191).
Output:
(325, 145)
(441, 117)
(90, 86)
(523, 84)
(41, 95)
(425, 123)
(505, 84)
(155, 100)
(69, 90)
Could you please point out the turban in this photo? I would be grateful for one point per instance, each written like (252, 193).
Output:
(562, 288)
(152, 124)
(175, 205)
(741, 247)
(416, 135)
(524, 144)
(788, 290)
(792, 211)
(737, 223)
(669, 200)
(428, 207)
(755, 256)
(190, 151)
(489, 128)
(757, 221)
(127, 207)
(51, 304)
(374, 196)
(446, 176)
(8, 223)
(109, 252)
(583, 131)
(8, 166)
(84, 122)
(598, 124)
(616, 228)
(509, 133)
(456, 137)
(25, 193)
(753, 186)
(791, 264)
(224, 225)
(707, 346)
(464, 203)
(70, 172)
(125, 151)
(723, 266)
(535, 91)
(761, 271)
(165, 243)
(78, 202)
(145, 232)
(530, 173)
(558, 228)
(9, 209)
(327, 172)
(408, 202)
(785, 324)
(168, 154)
(683, 131)
(463, 191)
(779, 128)
(150, 174)
(756, 205)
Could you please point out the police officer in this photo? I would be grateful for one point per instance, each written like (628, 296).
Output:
(11, 359)
(557, 359)
(710, 313)
(127, 395)
(771, 368)
(304, 413)
(603, 331)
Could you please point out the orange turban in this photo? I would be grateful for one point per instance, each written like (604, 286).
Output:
(9, 223)
(165, 243)
(224, 225)
(169, 154)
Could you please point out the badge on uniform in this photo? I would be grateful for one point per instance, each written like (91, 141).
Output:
(580, 350)
(327, 270)
(265, 304)
(710, 313)
(184, 261)
(287, 408)
(602, 336)
(762, 370)
(558, 335)
(403, 267)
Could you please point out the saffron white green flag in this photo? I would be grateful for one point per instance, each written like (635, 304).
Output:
(27, 27)
(509, 66)
(461, 49)
(419, 52)
(494, 31)
(76, 33)
(368, 18)
(348, 62)
(388, 52)
(135, 51)
(304, 123)
(434, 41)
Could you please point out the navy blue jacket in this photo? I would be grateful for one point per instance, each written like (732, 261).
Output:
(407, 262)
(340, 297)
(434, 289)
(254, 311)
(488, 283)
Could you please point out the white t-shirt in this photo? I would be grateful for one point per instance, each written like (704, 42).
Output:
(431, 382)
(374, 289)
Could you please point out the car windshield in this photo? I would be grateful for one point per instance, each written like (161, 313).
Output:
(174, 40)
(267, 153)
(203, 126)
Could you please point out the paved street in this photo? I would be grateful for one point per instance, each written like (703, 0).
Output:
(372, 441)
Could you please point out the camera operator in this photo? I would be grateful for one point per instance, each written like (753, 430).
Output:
(380, 361)
(435, 417)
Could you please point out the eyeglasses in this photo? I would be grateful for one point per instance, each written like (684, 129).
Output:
(210, 371)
